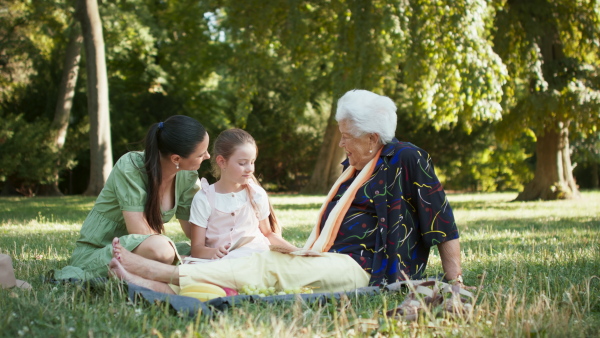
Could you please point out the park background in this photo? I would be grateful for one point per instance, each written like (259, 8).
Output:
(502, 93)
(491, 89)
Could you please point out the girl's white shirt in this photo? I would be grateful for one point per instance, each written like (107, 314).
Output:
(230, 202)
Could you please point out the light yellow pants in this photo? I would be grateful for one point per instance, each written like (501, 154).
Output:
(329, 273)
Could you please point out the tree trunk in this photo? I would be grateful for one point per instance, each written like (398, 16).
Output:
(553, 178)
(327, 168)
(65, 101)
(97, 85)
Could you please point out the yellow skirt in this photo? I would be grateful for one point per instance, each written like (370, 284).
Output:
(330, 273)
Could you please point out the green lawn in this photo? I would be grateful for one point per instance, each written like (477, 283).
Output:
(538, 262)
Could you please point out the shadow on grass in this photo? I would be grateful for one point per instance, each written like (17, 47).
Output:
(528, 252)
(46, 243)
(484, 205)
(67, 209)
(558, 225)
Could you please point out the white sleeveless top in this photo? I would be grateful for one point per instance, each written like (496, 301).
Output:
(229, 217)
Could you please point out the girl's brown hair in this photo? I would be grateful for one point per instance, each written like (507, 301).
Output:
(225, 145)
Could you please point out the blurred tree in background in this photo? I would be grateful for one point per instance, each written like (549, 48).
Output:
(551, 51)
(470, 78)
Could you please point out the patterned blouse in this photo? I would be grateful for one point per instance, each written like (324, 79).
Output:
(396, 216)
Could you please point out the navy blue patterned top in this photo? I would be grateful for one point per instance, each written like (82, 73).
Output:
(396, 216)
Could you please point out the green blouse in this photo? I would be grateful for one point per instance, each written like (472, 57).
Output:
(125, 190)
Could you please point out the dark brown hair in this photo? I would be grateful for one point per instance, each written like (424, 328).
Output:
(178, 135)
(225, 145)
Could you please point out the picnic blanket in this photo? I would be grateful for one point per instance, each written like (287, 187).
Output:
(191, 306)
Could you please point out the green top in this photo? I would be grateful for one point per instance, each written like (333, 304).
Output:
(125, 190)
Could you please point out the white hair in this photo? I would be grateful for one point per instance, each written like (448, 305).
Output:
(367, 113)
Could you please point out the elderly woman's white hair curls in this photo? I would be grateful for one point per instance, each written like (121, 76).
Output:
(368, 113)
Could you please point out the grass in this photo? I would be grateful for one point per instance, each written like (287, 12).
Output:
(538, 263)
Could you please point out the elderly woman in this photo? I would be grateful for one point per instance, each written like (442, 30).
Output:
(377, 225)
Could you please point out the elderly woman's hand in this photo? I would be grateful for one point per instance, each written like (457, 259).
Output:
(458, 281)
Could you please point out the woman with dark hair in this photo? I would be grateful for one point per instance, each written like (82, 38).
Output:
(144, 190)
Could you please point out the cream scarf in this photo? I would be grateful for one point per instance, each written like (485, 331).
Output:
(322, 241)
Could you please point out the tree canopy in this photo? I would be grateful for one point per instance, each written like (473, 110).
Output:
(477, 83)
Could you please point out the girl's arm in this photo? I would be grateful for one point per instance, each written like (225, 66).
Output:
(136, 223)
(274, 238)
(199, 248)
(186, 226)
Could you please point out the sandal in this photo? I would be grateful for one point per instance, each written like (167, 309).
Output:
(456, 304)
(422, 298)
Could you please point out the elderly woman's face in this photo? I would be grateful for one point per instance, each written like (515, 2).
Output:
(357, 148)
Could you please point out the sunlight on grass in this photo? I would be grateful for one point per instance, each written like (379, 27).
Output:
(538, 264)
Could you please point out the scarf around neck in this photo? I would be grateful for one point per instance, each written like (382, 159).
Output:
(322, 240)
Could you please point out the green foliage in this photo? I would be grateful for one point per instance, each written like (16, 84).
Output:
(494, 168)
(30, 34)
(451, 73)
(27, 154)
(550, 49)
(34, 48)
(276, 68)
(471, 161)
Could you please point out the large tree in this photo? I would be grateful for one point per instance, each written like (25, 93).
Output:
(97, 91)
(64, 102)
(550, 48)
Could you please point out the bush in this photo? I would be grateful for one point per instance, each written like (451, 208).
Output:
(28, 156)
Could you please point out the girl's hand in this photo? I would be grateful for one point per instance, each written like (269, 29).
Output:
(222, 251)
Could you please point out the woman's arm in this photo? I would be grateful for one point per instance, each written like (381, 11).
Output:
(274, 238)
(450, 255)
(136, 223)
(199, 248)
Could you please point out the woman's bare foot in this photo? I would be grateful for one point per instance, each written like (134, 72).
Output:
(124, 256)
(138, 266)
(117, 270)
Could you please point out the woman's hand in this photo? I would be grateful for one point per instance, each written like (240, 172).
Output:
(450, 256)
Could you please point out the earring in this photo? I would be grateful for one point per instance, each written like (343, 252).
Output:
(177, 166)
(370, 151)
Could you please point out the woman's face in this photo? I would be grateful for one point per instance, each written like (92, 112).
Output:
(357, 148)
(199, 154)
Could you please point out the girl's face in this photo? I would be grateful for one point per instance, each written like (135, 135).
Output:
(238, 168)
(200, 154)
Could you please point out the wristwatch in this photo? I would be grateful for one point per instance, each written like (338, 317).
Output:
(456, 280)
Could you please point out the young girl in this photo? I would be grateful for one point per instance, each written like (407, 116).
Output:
(235, 206)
